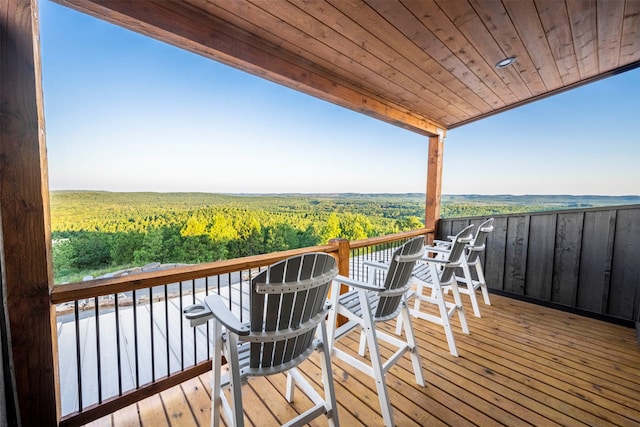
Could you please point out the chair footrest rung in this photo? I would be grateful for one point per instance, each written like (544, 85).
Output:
(307, 416)
(427, 316)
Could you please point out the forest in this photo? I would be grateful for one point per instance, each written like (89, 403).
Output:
(96, 232)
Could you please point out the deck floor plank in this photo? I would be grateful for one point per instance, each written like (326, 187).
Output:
(591, 377)
(152, 412)
(522, 364)
(198, 398)
(176, 406)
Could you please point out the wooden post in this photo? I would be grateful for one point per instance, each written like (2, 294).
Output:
(27, 275)
(344, 250)
(434, 184)
(342, 256)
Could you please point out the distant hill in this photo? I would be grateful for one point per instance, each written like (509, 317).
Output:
(546, 199)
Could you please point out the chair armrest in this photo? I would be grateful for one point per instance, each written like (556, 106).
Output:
(436, 249)
(221, 312)
(376, 264)
(436, 261)
(357, 284)
(197, 314)
(442, 242)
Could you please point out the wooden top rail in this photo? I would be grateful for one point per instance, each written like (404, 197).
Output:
(109, 286)
(389, 238)
(115, 285)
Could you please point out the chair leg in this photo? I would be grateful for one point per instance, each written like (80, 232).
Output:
(291, 386)
(483, 284)
(327, 380)
(411, 339)
(459, 308)
(332, 318)
(376, 361)
(362, 348)
(468, 280)
(446, 324)
(235, 383)
(216, 366)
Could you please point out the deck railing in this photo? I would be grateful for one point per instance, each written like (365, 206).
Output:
(123, 339)
(584, 260)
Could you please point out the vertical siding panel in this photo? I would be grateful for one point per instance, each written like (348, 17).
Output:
(457, 225)
(444, 229)
(495, 254)
(567, 258)
(516, 254)
(624, 295)
(587, 259)
(539, 261)
(593, 278)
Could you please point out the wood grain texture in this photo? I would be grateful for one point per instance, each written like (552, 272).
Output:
(566, 262)
(24, 211)
(522, 364)
(624, 295)
(434, 184)
(540, 252)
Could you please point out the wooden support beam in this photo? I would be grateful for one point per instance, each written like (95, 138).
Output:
(434, 184)
(25, 248)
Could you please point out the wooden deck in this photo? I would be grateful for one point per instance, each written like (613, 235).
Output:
(522, 364)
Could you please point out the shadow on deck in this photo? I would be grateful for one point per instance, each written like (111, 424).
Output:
(522, 364)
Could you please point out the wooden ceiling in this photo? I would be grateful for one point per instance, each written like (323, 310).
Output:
(426, 65)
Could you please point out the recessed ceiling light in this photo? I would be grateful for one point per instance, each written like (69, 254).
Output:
(506, 62)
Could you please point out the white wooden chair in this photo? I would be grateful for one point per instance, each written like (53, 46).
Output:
(437, 273)
(366, 304)
(472, 263)
(288, 306)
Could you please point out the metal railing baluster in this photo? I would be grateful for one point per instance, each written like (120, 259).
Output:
(118, 355)
(76, 312)
(135, 339)
(98, 361)
(153, 347)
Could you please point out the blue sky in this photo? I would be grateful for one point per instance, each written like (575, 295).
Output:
(127, 113)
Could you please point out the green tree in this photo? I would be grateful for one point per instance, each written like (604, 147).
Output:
(196, 226)
(124, 245)
(151, 248)
(90, 251)
(331, 229)
(409, 223)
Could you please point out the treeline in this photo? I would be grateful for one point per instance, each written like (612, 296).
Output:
(94, 231)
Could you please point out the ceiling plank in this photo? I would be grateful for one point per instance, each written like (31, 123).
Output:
(446, 65)
(496, 19)
(525, 18)
(506, 82)
(630, 45)
(584, 30)
(431, 74)
(610, 17)
(555, 21)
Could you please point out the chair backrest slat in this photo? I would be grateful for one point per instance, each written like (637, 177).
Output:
(460, 240)
(480, 240)
(398, 274)
(286, 295)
